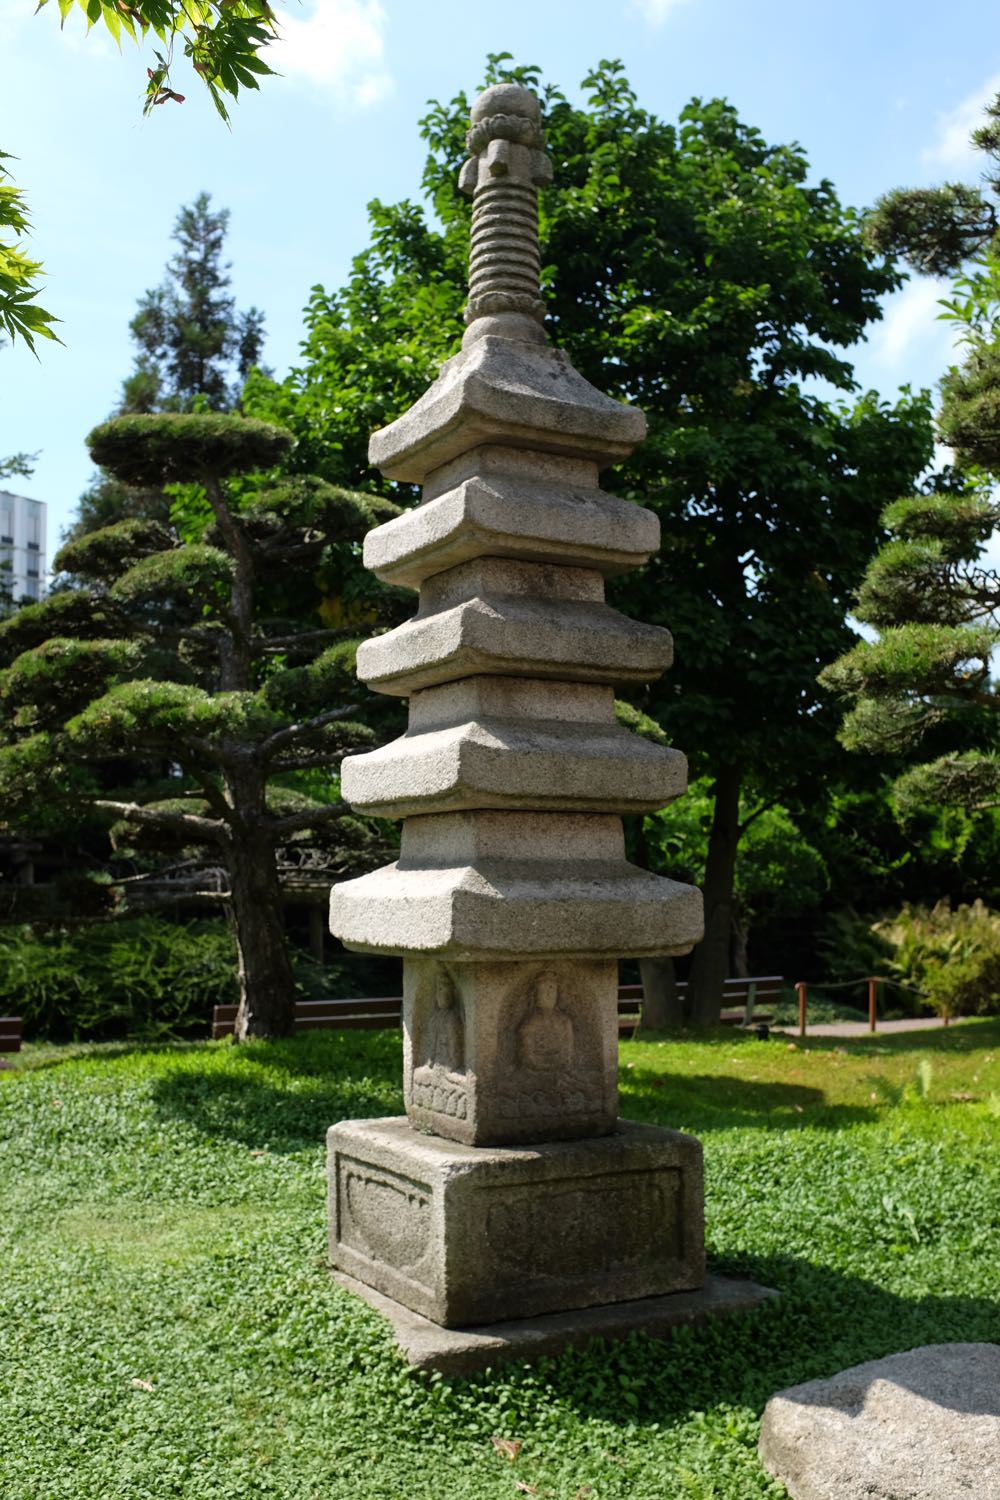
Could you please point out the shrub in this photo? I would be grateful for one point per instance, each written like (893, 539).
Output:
(952, 957)
(145, 977)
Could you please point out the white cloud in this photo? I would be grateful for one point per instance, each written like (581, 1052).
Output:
(657, 11)
(910, 329)
(951, 148)
(339, 44)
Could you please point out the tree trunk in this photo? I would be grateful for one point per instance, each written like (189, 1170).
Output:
(317, 933)
(267, 986)
(711, 957)
(741, 939)
(661, 1004)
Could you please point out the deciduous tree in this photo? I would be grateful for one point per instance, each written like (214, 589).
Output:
(694, 270)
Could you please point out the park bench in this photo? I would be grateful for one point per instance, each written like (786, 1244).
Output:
(310, 1015)
(10, 1034)
(382, 1014)
(744, 993)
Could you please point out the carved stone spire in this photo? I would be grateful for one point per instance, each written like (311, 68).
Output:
(506, 167)
(512, 899)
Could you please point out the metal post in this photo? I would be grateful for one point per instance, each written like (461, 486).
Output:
(872, 1000)
(800, 990)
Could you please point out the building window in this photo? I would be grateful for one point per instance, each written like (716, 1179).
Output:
(34, 546)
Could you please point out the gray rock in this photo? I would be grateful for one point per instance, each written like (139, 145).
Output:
(505, 885)
(513, 618)
(924, 1425)
(506, 742)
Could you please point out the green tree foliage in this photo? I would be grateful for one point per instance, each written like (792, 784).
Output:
(938, 229)
(694, 270)
(778, 873)
(222, 39)
(194, 348)
(924, 685)
(188, 673)
(20, 314)
(194, 351)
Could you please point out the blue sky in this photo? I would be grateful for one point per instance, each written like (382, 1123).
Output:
(879, 92)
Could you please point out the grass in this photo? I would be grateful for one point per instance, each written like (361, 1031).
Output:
(168, 1328)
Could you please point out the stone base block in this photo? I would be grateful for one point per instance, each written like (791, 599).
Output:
(466, 1235)
(461, 1351)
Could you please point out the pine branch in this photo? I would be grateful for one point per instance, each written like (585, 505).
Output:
(302, 641)
(309, 817)
(153, 817)
(268, 748)
(319, 762)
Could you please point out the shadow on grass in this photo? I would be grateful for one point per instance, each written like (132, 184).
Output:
(283, 1096)
(703, 1101)
(822, 1321)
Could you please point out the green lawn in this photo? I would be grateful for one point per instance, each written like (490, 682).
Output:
(167, 1327)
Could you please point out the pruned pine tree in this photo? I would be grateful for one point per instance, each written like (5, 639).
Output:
(194, 350)
(925, 685)
(186, 672)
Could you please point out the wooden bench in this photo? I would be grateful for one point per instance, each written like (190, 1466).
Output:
(748, 993)
(10, 1034)
(383, 1014)
(311, 1015)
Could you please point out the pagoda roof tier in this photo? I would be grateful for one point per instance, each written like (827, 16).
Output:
(514, 618)
(506, 391)
(510, 886)
(519, 505)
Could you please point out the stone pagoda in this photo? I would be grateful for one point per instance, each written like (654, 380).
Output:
(511, 1188)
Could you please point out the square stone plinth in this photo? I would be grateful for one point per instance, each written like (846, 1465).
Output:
(466, 1235)
(462, 1351)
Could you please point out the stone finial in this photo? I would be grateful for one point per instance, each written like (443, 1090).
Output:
(507, 164)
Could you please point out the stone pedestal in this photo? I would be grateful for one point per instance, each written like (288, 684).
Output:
(467, 1235)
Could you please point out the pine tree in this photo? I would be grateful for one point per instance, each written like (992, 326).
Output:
(194, 348)
(194, 352)
(925, 685)
(184, 695)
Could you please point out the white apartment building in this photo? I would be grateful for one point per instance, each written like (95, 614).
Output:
(22, 544)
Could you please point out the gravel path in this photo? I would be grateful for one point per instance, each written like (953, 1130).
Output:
(860, 1028)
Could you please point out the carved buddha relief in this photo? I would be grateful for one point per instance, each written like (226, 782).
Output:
(545, 1037)
(440, 1082)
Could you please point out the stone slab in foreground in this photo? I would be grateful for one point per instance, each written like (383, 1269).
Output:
(924, 1425)
(462, 1351)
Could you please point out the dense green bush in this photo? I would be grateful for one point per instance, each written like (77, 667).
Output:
(146, 977)
(952, 957)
